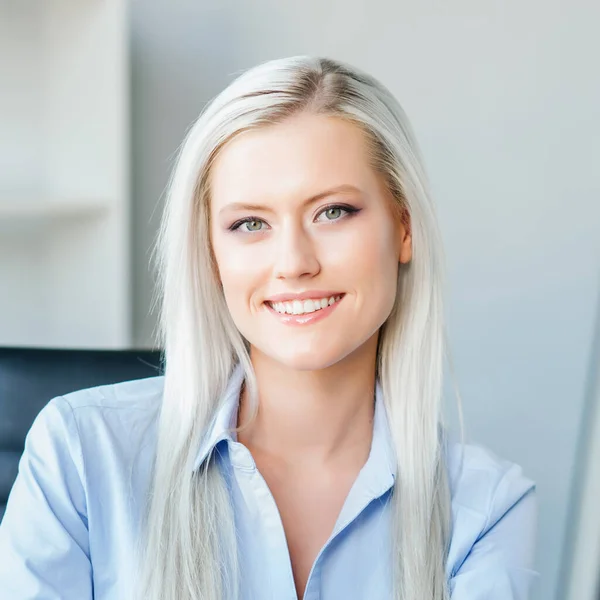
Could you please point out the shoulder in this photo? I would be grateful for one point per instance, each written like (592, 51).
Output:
(102, 429)
(138, 394)
(121, 410)
(129, 401)
(485, 488)
(127, 405)
(482, 481)
(82, 483)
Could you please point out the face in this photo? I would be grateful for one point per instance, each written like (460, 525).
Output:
(297, 210)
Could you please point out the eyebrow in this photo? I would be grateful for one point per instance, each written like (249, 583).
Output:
(340, 189)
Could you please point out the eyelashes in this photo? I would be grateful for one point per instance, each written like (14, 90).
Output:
(349, 210)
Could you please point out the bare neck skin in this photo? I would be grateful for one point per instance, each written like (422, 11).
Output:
(309, 418)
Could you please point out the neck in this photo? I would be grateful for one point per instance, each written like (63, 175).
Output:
(313, 417)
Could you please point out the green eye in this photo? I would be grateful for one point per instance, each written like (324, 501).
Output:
(337, 212)
(253, 225)
(333, 212)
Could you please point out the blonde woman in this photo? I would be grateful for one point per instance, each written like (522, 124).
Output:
(294, 447)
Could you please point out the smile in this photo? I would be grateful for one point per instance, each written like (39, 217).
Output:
(303, 312)
(302, 307)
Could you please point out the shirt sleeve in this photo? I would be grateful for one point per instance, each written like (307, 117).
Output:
(44, 542)
(499, 565)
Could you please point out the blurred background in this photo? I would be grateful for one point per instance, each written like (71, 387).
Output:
(96, 96)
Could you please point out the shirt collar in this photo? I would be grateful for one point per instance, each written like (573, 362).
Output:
(382, 453)
(380, 466)
(225, 421)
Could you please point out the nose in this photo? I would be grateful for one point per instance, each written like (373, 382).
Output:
(296, 254)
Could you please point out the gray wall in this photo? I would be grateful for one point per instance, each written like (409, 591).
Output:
(504, 103)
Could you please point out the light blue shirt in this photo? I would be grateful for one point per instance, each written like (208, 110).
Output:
(73, 514)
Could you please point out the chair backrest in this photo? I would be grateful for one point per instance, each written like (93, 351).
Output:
(30, 378)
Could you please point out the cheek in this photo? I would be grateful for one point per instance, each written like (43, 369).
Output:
(375, 269)
(239, 271)
(370, 252)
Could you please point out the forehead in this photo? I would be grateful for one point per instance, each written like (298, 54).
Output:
(301, 155)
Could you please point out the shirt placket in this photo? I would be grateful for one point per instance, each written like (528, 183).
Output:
(254, 488)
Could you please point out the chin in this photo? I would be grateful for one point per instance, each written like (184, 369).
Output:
(305, 363)
(314, 360)
(309, 354)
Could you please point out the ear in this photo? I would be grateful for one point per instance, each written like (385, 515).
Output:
(404, 237)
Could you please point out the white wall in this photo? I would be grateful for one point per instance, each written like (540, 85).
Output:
(64, 174)
(503, 97)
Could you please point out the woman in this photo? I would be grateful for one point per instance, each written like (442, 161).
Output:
(295, 446)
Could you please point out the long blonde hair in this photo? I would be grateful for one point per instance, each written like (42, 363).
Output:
(188, 543)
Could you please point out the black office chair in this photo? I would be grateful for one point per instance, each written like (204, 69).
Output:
(30, 378)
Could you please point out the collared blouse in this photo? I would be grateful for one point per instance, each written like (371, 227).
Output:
(73, 515)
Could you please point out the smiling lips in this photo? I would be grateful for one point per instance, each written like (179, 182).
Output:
(302, 307)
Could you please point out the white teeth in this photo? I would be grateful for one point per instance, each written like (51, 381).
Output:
(299, 307)
(310, 306)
